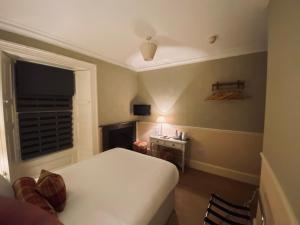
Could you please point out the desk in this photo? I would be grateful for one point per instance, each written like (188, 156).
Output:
(171, 143)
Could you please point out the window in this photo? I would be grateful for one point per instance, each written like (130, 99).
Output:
(44, 97)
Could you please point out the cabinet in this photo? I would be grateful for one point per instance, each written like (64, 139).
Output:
(171, 143)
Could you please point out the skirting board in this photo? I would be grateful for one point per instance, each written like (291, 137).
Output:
(225, 172)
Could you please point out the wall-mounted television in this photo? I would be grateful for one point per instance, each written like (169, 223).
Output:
(142, 110)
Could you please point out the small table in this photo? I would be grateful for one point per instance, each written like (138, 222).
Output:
(171, 143)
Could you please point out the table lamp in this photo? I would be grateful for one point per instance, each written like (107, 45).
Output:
(161, 120)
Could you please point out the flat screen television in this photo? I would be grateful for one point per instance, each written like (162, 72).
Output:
(142, 110)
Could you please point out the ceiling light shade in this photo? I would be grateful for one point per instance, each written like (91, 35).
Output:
(148, 49)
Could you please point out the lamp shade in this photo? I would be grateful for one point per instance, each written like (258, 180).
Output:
(161, 119)
(148, 50)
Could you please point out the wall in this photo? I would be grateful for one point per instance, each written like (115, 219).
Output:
(226, 136)
(117, 86)
(180, 92)
(282, 124)
(276, 208)
(226, 153)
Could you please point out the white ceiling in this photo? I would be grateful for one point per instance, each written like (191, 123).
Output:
(113, 30)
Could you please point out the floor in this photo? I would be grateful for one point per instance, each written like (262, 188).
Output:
(193, 192)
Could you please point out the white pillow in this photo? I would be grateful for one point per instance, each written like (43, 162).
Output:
(6, 189)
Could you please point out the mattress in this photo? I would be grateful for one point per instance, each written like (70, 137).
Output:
(117, 187)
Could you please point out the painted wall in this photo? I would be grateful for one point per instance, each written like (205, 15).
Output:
(117, 86)
(226, 136)
(232, 154)
(117, 89)
(282, 123)
(180, 92)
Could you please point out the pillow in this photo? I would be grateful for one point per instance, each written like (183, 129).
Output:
(5, 188)
(14, 212)
(52, 187)
(25, 191)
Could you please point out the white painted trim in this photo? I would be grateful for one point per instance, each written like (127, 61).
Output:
(46, 37)
(53, 161)
(38, 55)
(209, 129)
(45, 57)
(224, 172)
(274, 190)
(27, 31)
(224, 54)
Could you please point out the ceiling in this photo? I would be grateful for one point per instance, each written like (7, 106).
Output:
(113, 30)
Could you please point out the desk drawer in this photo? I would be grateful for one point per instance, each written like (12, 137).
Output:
(173, 145)
(159, 142)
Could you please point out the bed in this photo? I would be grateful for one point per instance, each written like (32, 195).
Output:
(119, 187)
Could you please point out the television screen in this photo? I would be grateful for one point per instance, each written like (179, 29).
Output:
(142, 110)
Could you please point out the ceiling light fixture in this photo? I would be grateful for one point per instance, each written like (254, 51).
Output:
(148, 49)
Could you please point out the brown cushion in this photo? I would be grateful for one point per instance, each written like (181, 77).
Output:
(25, 191)
(52, 187)
(15, 212)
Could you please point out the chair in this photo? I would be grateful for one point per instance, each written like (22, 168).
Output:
(223, 212)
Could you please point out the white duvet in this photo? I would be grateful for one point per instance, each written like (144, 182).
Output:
(117, 187)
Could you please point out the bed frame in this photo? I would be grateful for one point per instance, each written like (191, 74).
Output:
(164, 212)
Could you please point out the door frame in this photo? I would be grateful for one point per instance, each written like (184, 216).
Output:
(44, 57)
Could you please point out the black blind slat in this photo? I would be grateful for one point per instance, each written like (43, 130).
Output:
(45, 132)
(38, 104)
(32, 149)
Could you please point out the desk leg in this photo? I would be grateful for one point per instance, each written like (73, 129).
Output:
(152, 149)
(182, 160)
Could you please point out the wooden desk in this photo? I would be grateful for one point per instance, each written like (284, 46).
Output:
(182, 146)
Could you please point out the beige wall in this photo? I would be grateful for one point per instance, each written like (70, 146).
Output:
(276, 208)
(228, 150)
(117, 86)
(232, 143)
(181, 92)
(282, 124)
(178, 89)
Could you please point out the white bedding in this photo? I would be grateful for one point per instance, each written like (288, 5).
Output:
(117, 187)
